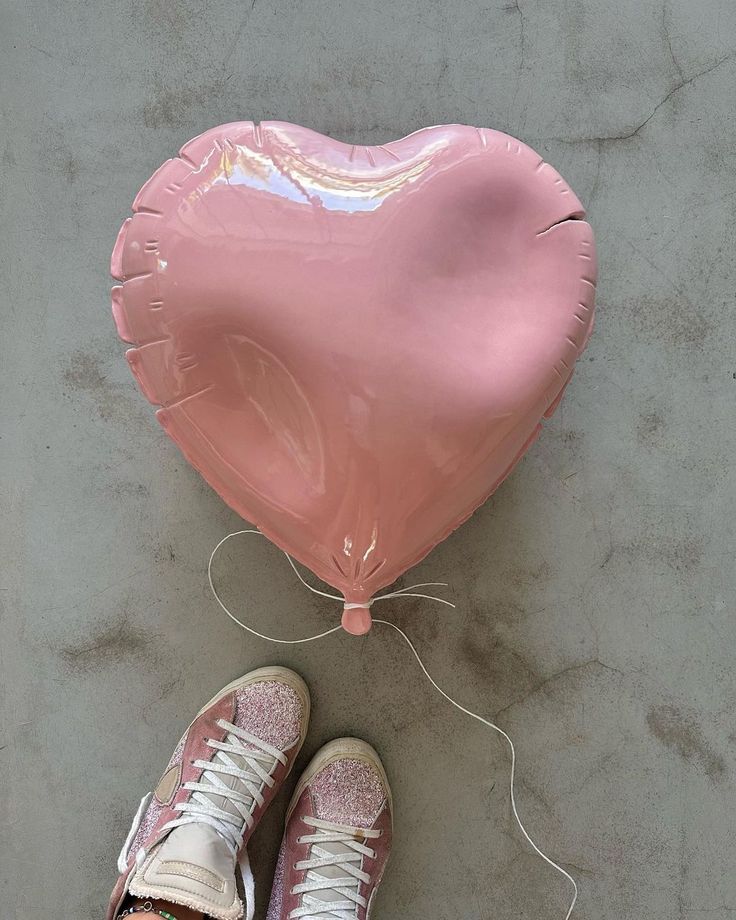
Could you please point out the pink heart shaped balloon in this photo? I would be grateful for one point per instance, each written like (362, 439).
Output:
(354, 345)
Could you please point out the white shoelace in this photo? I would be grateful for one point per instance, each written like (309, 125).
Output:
(254, 775)
(346, 889)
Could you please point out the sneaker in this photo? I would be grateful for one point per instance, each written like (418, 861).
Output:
(337, 838)
(191, 832)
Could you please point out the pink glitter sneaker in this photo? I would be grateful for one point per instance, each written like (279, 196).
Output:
(337, 839)
(190, 833)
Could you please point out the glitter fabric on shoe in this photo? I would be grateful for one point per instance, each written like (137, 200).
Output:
(348, 792)
(270, 710)
(337, 838)
(190, 834)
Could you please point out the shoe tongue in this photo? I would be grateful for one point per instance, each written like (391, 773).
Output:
(193, 867)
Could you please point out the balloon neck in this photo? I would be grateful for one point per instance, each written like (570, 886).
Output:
(356, 619)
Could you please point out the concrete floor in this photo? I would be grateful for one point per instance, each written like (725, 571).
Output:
(595, 591)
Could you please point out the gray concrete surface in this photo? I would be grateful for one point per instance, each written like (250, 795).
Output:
(595, 591)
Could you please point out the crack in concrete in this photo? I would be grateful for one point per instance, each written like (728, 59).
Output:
(591, 196)
(668, 39)
(610, 138)
(570, 669)
(522, 51)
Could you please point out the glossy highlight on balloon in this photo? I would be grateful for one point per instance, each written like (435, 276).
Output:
(354, 345)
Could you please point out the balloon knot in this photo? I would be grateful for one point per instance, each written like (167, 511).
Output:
(356, 618)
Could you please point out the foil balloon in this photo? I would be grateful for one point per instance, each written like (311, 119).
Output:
(354, 345)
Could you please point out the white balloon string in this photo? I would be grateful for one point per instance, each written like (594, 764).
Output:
(512, 782)
(406, 592)
(250, 629)
(403, 592)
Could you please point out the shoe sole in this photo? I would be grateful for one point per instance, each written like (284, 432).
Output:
(275, 673)
(341, 749)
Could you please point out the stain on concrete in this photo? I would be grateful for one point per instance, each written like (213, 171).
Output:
(170, 106)
(107, 646)
(125, 489)
(425, 628)
(565, 680)
(683, 735)
(571, 437)
(172, 19)
(680, 554)
(8, 158)
(665, 320)
(494, 664)
(85, 373)
(70, 169)
(650, 427)
(521, 577)
(164, 554)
